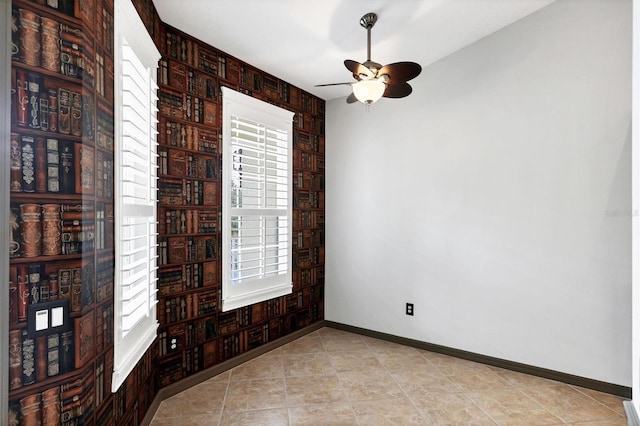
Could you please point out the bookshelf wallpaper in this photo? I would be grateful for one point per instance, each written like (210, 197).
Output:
(61, 246)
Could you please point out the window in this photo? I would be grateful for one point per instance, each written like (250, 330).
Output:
(256, 200)
(136, 59)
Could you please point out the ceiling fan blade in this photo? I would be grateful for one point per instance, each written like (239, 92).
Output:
(352, 99)
(401, 71)
(397, 90)
(357, 68)
(333, 84)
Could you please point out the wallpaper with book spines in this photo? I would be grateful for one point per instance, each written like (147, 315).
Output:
(194, 333)
(62, 213)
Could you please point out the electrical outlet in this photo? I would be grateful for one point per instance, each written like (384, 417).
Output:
(409, 309)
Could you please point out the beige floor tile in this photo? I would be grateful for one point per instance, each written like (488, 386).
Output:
(339, 413)
(313, 390)
(334, 377)
(344, 343)
(511, 407)
(273, 352)
(451, 365)
(269, 417)
(317, 364)
(204, 398)
(403, 359)
(569, 404)
(523, 380)
(368, 385)
(478, 379)
(611, 401)
(450, 409)
(304, 345)
(264, 367)
(380, 346)
(255, 395)
(187, 420)
(223, 377)
(354, 361)
(615, 422)
(387, 412)
(423, 380)
(328, 331)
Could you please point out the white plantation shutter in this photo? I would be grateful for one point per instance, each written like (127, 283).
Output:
(138, 190)
(257, 140)
(135, 201)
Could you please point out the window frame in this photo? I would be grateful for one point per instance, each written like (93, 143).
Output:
(132, 341)
(256, 290)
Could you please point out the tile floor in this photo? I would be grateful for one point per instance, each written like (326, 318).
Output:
(339, 378)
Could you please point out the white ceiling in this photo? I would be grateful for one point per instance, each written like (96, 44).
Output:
(305, 42)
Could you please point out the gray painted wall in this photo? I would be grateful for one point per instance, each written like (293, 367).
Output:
(496, 198)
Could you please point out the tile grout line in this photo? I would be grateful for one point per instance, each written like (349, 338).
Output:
(224, 399)
(577, 388)
(344, 391)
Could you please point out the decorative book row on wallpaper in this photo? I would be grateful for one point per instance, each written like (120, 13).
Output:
(187, 221)
(186, 192)
(308, 199)
(187, 107)
(308, 219)
(67, 404)
(34, 360)
(307, 161)
(179, 278)
(188, 137)
(40, 41)
(43, 103)
(186, 334)
(309, 123)
(305, 179)
(313, 142)
(308, 238)
(310, 276)
(187, 307)
(59, 229)
(39, 164)
(305, 258)
(191, 359)
(35, 283)
(178, 250)
(176, 162)
(187, 51)
(186, 79)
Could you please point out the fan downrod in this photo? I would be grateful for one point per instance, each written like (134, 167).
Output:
(368, 21)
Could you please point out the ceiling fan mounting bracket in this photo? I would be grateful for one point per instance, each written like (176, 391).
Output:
(368, 20)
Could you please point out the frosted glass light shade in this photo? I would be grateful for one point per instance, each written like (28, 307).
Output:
(369, 91)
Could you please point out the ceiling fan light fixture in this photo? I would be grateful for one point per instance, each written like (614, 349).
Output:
(373, 80)
(369, 91)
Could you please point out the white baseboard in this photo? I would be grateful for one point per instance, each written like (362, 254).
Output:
(632, 414)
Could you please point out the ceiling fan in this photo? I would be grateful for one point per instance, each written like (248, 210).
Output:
(373, 80)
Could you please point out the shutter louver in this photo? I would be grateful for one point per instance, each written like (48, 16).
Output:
(136, 190)
(259, 202)
(138, 184)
